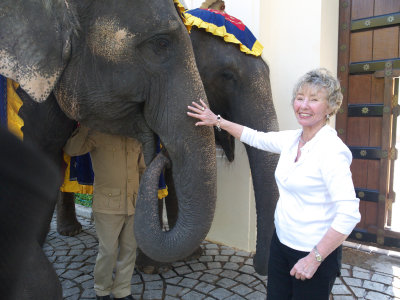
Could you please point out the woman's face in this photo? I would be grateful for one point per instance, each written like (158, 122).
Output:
(311, 107)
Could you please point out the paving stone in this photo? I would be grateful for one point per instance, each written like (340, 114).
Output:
(340, 289)
(154, 285)
(237, 259)
(361, 274)
(382, 278)
(183, 270)
(210, 278)
(212, 252)
(249, 261)
(229, 274)
(71, 274)
(231, 266)
(344, 272)
(204, 287)
(174, 280)
(234, 297)
(75, 265)
(189, 283)
(67, 284)
(242, 253)
(226, 283)
(340, 297)
(198, 267)
(173, 290)
(221, 258)
(194, 275)
(353, 281)
(193, 295)
(247, 269)
(153, 295)
(377, 296)
(214, 265)
(375, 286)
(220, 293)
(151, 277)
(88, 284)
(256, 296)
(211, 246)
(73, 297)
(359, 292)
(206, 258)
(71, 291)
(214, 271)
(261, 288)
(137, 288)
(244, 278)
(392, 291)
(241, 289)
(227, 252)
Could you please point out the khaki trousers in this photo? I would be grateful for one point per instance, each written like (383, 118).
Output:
(117, 248)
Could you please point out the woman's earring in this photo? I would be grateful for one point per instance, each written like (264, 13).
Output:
(327, 117)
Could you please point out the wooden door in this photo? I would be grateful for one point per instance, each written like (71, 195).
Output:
(368, 67)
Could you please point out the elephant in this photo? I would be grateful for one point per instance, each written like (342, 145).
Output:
(23, 228)
(117, 67)
(238, 88)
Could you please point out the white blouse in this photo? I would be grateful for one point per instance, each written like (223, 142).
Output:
(316, 192)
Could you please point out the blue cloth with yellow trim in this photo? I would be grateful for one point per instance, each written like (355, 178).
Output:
(81, 169)
(221, 24)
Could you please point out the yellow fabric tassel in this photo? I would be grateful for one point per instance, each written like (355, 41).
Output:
(14, 103)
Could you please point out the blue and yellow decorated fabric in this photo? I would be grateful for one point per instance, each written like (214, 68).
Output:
(231, 29)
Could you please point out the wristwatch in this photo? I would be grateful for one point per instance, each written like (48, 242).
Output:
(318, 256)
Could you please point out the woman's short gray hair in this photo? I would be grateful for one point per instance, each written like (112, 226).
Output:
(322, 79)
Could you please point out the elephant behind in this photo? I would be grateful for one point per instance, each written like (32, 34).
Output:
(238, 88)
(117, 67)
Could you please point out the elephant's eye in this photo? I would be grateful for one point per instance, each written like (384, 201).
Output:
(157, 49)
(227, 75)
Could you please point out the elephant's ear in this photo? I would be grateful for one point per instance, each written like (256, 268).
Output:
(35, 43)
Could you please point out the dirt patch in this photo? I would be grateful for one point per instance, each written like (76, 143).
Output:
(371, 261)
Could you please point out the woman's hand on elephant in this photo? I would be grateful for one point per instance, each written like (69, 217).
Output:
(203, 113)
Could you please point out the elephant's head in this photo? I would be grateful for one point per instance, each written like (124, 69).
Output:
(238, 88)
(122, 67)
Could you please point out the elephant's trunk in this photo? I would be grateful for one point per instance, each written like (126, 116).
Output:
(262, 164)
(195, 180)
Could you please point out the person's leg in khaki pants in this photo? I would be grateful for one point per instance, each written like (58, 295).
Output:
(126, 260)
(112, 230)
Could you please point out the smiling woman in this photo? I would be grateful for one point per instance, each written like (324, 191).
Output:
(317, 207)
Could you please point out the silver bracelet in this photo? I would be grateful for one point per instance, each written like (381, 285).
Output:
(218, 123)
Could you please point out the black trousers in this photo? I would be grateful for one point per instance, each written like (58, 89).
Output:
(282, 286)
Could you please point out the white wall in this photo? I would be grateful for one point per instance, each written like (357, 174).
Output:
(297, 37)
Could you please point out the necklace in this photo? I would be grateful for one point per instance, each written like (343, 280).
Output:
(301, 140)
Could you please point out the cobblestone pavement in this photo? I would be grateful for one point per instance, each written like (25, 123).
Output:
(220, 273)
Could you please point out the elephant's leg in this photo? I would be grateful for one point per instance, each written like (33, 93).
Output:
(67, 223)
(48, 128)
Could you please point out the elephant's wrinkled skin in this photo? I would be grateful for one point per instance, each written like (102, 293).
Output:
(122, 67)
(238, 88)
